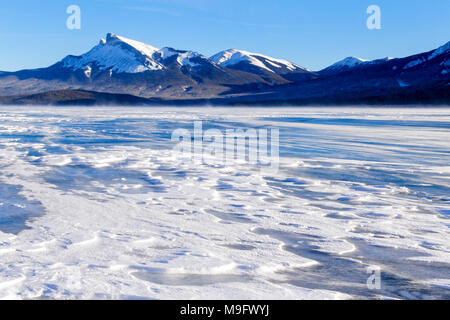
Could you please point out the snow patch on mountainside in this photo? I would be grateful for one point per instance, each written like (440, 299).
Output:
(184, 58)
(414, 63)
(436, 53)
(443, 49)
(402, 84)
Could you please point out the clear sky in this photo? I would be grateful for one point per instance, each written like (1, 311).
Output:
(313, 33)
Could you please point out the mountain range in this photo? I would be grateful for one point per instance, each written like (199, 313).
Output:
(119, 70)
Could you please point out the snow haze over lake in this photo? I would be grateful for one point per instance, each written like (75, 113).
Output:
(94, 204)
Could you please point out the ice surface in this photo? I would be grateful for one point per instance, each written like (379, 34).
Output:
(94, 204)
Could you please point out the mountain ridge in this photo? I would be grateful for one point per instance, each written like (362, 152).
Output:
(121, 66)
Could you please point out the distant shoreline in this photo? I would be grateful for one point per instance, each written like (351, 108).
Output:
(432, 98)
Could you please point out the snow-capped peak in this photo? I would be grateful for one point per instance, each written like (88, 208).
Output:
(348, 62)
(233, 57)
(118, 54)
(122, 55)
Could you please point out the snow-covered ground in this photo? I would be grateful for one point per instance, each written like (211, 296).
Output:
(95, 205)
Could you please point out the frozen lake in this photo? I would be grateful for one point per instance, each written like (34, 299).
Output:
(94, 204)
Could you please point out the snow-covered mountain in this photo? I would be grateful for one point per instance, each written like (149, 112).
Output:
(233, 57)
(257, 63)
(122, 55)
(420, 78)
(350, 63)
(122, 69)
(121, 65)
(118, 54)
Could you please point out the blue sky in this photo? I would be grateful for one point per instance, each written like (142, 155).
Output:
(313, 34)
